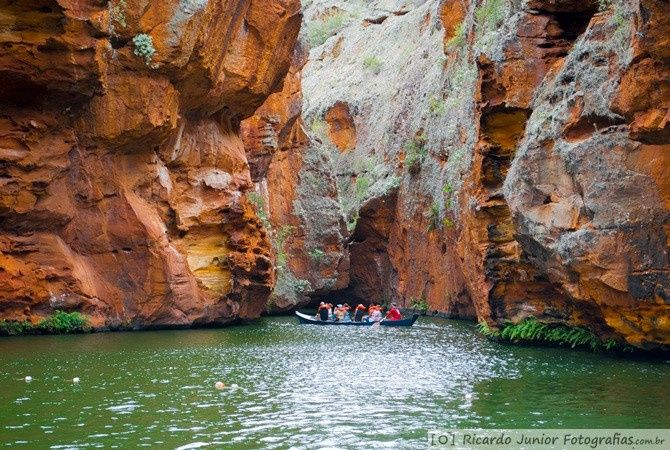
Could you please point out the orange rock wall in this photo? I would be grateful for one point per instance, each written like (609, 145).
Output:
(123, 174)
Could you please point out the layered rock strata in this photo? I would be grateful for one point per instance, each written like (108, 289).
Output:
(123, 170)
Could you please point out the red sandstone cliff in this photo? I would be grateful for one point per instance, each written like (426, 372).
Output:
(123, 171)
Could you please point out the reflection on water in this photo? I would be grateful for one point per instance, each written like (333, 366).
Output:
(307, 386)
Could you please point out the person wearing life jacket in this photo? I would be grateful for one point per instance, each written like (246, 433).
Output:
(394, 313)
(347, 312)
(323, 311)
(359, 312)
(339, 313)
(375, 313)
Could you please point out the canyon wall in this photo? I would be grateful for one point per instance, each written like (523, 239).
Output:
(123, 169)
(500, 159)
(193, 162)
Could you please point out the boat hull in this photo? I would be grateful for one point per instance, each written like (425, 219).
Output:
(310, 320)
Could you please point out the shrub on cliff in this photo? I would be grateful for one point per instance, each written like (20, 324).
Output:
(61, 322)
(433, 217)
(144, 47)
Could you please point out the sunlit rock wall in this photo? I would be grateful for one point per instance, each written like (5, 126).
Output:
(123, 171)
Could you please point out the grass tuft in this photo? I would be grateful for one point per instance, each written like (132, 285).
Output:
(491, 14)
(373, 64)
(318, 32)
(460, 36)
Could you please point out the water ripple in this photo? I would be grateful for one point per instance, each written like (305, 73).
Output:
(308, 387)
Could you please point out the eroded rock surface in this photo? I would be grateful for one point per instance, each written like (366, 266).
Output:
(123, 171)
(502, 159)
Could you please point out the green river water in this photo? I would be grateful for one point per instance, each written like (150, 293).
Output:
(305, 386)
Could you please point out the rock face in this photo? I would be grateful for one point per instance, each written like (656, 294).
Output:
(123, 169)
(502, 159)
(296, 195)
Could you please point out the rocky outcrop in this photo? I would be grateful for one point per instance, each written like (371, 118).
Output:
(586, 190)
(295, 193)
(502, 159)
(123, 170)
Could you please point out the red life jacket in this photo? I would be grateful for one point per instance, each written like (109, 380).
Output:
(394, 314)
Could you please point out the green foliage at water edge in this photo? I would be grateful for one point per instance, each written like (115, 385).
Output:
(531, 330)
(60, 322)
(419, 304)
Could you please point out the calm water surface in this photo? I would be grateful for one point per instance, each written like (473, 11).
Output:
(305, 386)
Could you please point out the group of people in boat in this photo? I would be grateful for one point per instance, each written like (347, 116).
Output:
(361, 313)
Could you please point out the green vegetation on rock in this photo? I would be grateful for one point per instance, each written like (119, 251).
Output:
(117, 14)
(437, 106)
(491, 14)
(373, 64)
(362, 185)
(317, 254)
(531, 330)
(144, 47)
(416, 152)
(257, 200)
(278, 241)
(433, 217)
(604, 4)
(60, 322)
(458, 40)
